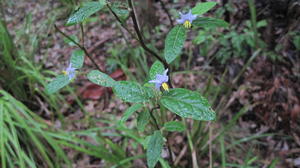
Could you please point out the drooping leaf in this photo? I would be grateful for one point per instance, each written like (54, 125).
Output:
(59, 82)
(209, 22)
(101, 78)
(133, 92)
(202, 8)
(142, 120)
(174, 126)
(188, 104)
(174, 43)
(77, 59)
(130, 111)
(154, 149)
(86, 10)
(156, 68)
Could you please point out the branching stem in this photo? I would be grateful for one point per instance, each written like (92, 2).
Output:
(80, 46)
(143, 44)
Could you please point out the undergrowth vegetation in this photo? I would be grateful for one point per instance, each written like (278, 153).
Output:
(176, 93)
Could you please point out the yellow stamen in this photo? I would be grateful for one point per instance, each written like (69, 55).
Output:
(187, 24)
(165, 86)
(65, 72)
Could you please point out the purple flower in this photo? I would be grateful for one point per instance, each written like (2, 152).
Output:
(186, 19)
(70, 71)
(161, 80)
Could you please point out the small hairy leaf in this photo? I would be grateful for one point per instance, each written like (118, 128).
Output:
(77, 59)
(133, 92)
(154, 149)
(156, 68)
(59, 82)
(209, 22)
(202, 8)
(174, 43)
(130, 111)
(174, 126)
(101, 78)
(143, 120)
(86, 10)
(188, 104)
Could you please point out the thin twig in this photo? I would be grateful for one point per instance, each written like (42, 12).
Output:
(80, 46)
(139, 34)
(166, 11)
(140, 37)
(121, 22)
(82, 34)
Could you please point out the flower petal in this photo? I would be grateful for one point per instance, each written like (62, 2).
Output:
(154, 81)
(188, 16)
(180, 21)
(166, 71)
(71, 75)
(157, 85)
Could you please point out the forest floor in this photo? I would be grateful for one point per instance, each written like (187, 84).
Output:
(268, 89)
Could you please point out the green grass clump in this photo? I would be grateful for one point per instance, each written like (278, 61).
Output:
(23, 139)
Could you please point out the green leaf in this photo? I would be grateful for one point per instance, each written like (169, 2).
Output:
(101, 78)
(262, 23)
(174, 43)
(154, 149)
(202, 8)
(86, 10)
(130, 111)
(296, 42)
(209, 22)
(133, 92)
(146, 141)
(59, 82)
(69, 42)
(174, 126)
(121, 10)
(156, 68)
(164, 164)
(77, 59)
(188, 104)
(143, 120)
